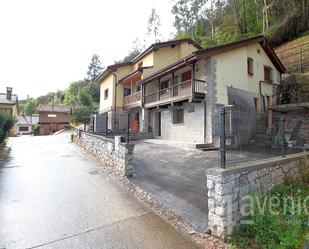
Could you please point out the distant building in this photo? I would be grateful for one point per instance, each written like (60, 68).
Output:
(53, 118)
(9, 104)
(26, 124)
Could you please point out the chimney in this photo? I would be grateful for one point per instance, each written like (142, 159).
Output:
(9, 93)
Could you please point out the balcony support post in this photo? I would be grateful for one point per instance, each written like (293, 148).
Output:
(159, 88)
(193, 80)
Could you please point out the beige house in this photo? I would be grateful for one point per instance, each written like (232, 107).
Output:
(179, 100)
(119, 88)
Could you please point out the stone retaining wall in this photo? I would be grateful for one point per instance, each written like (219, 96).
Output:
(229, 189)
(110, 152)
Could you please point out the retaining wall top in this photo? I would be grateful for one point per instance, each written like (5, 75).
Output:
(256, 165)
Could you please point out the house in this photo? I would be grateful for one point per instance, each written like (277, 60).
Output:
(180, 101)
(53, 118)
(26, 124)
(9, 104)
(119, 82)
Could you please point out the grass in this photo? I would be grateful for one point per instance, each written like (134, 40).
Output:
(283, 224)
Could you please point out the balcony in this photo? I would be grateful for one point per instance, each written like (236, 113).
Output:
(133, 100)
(193, 90)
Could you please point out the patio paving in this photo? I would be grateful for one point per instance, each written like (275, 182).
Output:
(174, 173)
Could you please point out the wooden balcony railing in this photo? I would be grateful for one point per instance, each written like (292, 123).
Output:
(178, 91)
(135, 97)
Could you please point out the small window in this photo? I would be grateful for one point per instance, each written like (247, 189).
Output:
(250, 66)
(138, 87)
(256, 104)
(106, 93)
(164, 85)
(23, 128)
(268, 73)
(178, 116)
(127, 92)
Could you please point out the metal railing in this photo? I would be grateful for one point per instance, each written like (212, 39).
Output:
(248, 136)
(183, 89)
(295, 59)
(135, 97)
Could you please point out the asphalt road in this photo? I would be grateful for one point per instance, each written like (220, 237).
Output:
(52, 196)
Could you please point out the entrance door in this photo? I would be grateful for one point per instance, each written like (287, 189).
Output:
(175, 86)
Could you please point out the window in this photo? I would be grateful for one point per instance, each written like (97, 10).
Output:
(127, 92)
(186, 77)
(138, 87)
(106, 93)
(268, 73)
(8, 110)
(250, 66)
(164, 85)
(178, 116)
(23, 128)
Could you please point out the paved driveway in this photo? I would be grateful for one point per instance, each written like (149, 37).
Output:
(174, 173)
(51, 196)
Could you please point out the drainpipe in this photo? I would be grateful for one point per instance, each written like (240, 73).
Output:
(115, 100)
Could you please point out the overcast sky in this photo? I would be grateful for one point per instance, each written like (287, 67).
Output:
(47, 44)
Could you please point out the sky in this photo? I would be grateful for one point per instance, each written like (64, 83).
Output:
(47, 44)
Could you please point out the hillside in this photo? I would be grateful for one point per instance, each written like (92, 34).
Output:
(295, 54)
(295, 57)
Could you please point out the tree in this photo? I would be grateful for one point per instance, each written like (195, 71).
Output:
(30, 106)
(80, 113)
(187, 13)
(95, 68)
(137, 48)
(154, 24)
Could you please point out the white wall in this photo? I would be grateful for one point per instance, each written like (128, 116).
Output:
(231, 70)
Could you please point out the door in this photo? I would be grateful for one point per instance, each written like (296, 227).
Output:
(175, 86)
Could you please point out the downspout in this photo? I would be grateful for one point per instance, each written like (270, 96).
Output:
(115, 100)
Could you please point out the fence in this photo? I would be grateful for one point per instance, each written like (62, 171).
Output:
(248, 136)
(109, 124)
(295, 59)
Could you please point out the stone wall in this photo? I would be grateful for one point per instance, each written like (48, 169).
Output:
(229, 189)
(191, 130)
(110, 152)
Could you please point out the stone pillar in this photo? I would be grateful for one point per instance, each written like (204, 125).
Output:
(210, 98)
(123, 156)
(144, 118)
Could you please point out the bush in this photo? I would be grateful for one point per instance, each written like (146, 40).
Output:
(282, 226)
(6, 123)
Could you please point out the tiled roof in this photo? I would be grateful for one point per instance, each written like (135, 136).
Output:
(4, 100)
(27, 120)
(53, 108)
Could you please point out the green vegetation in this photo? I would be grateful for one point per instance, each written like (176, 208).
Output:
(214, 22)
(6, 124)
(279, 219)
(83, 96)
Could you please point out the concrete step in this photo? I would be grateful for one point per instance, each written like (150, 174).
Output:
(205, 145)
(210, 149)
